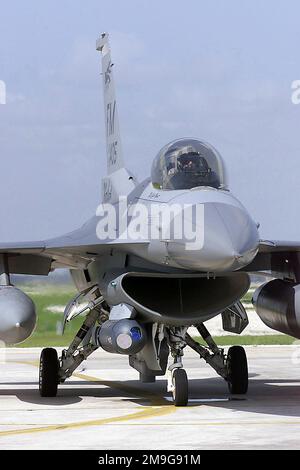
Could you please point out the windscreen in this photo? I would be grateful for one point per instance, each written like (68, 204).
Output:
(186, 164)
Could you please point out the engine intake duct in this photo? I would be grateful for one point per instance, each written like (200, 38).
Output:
(174, 299)
(277, 303)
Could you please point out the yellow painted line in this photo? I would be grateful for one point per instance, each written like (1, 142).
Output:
(155, 400)
(128, 389)
(150, 412)
(153, 411)
(219, 423)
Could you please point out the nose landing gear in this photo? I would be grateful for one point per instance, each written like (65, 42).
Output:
(180, 390)
(177, 377)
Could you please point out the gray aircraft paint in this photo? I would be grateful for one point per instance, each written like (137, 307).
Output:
(231, 240)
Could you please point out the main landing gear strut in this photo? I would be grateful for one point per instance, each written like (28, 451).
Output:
(55, 370)
(232, 367)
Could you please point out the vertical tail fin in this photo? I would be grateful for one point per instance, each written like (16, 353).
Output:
(113, 141)
(119, 181)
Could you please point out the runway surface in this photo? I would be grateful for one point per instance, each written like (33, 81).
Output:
(105, 407)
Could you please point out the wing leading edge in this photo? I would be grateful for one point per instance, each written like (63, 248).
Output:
(278, 258)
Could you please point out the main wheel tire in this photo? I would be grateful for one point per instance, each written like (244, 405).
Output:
(48, 378)
(237, 370)
(181, 387)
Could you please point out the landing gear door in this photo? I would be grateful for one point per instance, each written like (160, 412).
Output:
(235, 318)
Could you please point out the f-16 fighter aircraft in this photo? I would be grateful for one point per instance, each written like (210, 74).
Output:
(158, 257)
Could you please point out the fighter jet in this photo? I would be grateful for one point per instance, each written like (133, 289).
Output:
(158, 257)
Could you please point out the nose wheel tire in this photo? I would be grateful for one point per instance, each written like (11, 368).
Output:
(180, 387)
(237, 368)
(48, 378)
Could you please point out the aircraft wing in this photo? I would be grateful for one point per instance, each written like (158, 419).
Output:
(273, 246)
(39, 259)
(23, 247)
(278, 258)
(74, 250)
(77, 249)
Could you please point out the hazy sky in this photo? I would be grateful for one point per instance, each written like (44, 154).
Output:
(217, 70)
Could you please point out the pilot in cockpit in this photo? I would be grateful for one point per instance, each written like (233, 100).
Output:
(186, 164)
(190, 170)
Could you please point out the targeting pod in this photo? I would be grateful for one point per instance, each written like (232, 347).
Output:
(121, 336)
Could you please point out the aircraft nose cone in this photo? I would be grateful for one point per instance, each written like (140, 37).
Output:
(231, 234)
(229, 240)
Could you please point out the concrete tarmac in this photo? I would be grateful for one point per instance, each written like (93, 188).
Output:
(103, 406)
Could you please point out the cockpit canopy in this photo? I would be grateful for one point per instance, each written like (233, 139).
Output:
(186, 164)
